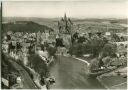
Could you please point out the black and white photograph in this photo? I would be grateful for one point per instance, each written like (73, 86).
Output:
(58, 44)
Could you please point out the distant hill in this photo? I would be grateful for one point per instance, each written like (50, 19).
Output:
(87, 24)
(35, 19)
(112, 20)
(50, 22)
(25, 26)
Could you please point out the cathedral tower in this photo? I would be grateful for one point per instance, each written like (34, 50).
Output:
(65, 25)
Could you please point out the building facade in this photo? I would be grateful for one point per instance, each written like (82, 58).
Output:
(65, 25)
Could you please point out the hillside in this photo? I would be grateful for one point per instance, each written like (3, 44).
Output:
(12, 19)
(25, 26)
(96, 26)
(84, 25)
(50, 22)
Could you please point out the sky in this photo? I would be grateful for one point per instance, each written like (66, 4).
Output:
(74, 9)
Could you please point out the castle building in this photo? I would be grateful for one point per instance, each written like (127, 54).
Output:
(65, 25)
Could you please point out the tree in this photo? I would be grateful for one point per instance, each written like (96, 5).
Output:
(115, 38)
(94, 45)
(109, 49)
(77, 49)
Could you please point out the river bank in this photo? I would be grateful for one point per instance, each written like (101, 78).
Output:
(71, 73)
(114, 80)
(111, 80)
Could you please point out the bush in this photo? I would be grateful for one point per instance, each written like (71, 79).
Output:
(109, 49)
(77, 49)
(38, 64)
(94, 46)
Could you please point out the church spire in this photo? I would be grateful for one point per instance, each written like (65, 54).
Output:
(65, 17)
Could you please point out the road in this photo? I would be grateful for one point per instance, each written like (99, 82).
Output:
(27, 81)
(71, 74)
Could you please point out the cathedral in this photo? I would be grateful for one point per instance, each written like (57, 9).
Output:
(65, 25)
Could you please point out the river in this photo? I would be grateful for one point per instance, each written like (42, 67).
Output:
(72, 74)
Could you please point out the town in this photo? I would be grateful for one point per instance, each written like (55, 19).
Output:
(30, 52)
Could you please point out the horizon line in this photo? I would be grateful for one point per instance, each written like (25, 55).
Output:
(67, 17)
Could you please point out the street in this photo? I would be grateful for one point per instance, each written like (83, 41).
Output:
(71, 74)
(27, 81)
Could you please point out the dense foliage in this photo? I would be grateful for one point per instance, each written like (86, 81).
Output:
(27, 26)
(94, 46)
